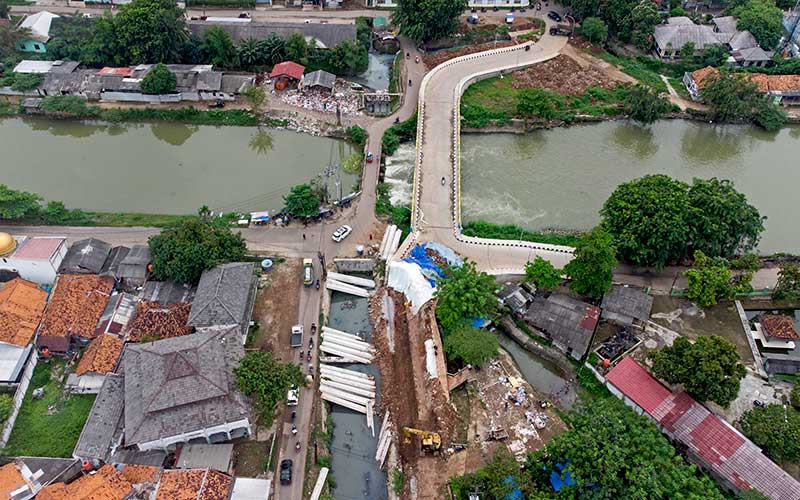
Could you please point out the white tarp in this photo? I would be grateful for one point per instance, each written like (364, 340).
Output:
(407, 277)
(430, 359)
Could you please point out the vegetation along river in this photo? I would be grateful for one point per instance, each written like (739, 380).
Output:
(559, 178)
(168, 168)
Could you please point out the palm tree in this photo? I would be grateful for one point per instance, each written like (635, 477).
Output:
(273, 49)
(249, 53)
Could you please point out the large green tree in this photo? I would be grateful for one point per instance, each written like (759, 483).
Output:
(723, 223)
(267, 381)
(709, 369)
(733, 97)
(613, 453)
(593, 263)
(470, 346)
(776, 429)
(641, 23)
(788, 286)
(182, 252)
(763, 19)
(301, 201)
(708, 279)
(594, 30)
(491, 480)
(535, 102)
(464, 293)
(427, 20)
(657, 219)
(159, 80)
(249, 52)
(149, 31)
(18, 204)
(272, 49)
(218, 44)
(542, 274)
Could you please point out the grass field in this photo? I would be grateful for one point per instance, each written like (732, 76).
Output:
(48, 427)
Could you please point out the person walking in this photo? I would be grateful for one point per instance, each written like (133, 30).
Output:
(304, 236)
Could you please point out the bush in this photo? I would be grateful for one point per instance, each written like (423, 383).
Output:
(483, 229)
(67, 105)
(159, 80)
(594, 30)
(398, 133)
(6, 406)
(356, 135)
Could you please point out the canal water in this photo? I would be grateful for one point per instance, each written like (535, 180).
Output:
(378, 72)
(543, 376)
(356, 472)
(166, 168)
(559, 178)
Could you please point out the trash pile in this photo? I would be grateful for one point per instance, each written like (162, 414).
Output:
(564, 75)
(342, 97)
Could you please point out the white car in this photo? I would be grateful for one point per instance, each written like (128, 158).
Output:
(341, 233)
(293, 396)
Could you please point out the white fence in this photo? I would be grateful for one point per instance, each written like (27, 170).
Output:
(19, 396)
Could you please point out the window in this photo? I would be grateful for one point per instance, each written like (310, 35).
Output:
(36, 46)
(22, 46)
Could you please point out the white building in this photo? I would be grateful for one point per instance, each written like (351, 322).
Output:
(34, 258)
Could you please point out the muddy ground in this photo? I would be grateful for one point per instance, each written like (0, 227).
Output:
(275, 311)
(691, 321)
(563, 75)
(437, 58)
(485, 405)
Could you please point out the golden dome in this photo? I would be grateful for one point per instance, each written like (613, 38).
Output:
(7, 243)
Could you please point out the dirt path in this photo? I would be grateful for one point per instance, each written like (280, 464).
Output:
(586, 60)
(276, 309)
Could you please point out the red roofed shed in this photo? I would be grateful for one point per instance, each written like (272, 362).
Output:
(285, 72)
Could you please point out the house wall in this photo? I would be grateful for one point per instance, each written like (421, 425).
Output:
(166, 98)
(35, 46)
(38, 271)
(169, 442)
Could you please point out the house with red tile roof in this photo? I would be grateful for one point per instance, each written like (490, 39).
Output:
(776, 331)
(35, 259)
(76, 305)
(707, 440)
(99, 359)
(22, 306)
(194, 484)
(285, 73)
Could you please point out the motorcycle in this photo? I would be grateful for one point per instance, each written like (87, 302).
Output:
(308, 358)
(416, 59)
(317, 284)
(310, 369)
(313, 328)
(408, 55)
(294, 415)
(409, 83)
(294, 429)
(443, 181)
(310, 344)
(297, 446)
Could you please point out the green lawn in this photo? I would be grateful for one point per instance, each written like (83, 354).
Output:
(637, 69)
(48, 427)
(134, 219)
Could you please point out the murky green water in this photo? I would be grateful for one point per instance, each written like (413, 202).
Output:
(163, 167)
(561, 177)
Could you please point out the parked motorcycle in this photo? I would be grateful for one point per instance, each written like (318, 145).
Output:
(294, 429)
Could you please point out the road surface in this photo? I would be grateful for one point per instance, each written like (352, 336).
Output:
(436, 200)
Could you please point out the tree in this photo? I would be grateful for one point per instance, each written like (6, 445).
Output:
(347, 58)
(794, 396)
(730, 96)
(677, 12)
(218, 44)
(787, 288)
(159, 80)
(775, 429)
(491, 480)
(297, 49)
(149, 31)
(18, 204)
(723, 223)
(763, 19)
(182, 252)
(4, 9)
(642, 23)
(427, 20)
(301, 201)
(709, 369)
(542, 274)
(464, 293)
(644, 104)
(249, 52)
(592, 264)
(768, 115)
(594, 30)
(714, 55)
(256, 97)
(535, 102)
(266, 380)
(470, 345)
(272, 49)
(613, 453)
(686, 54)
(708, 279)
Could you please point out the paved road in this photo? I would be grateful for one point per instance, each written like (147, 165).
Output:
(437, 205)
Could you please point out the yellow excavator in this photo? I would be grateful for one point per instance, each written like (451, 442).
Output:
(431, 441)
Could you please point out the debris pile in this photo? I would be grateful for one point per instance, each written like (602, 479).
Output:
(564, 75)
(341, 98)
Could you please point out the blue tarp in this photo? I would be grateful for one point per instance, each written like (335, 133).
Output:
(480, 322)
(429, 267)
(559, 481)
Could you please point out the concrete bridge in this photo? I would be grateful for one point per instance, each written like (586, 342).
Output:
(436, 208)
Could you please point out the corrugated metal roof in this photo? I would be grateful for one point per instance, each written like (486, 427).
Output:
(38, 248)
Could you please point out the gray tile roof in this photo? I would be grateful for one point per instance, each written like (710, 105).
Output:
(742, 40)
(167, 292)
(570, 323)
(234, 84)
(115, 257)
(725, 24)
(183, 384)
(85, 257)
(319, 78)
(675, 36)
(329, 35)
(104, 421)
(224, 296)
(134, 265)
(623, 304)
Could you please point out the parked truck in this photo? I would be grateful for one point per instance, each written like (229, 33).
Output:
(297, 336)
(561, 30)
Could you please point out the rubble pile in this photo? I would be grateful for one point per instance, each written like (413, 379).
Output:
(342, 97)
(564, 75)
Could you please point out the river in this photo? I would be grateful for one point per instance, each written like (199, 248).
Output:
(561, 177)
(163, 167)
